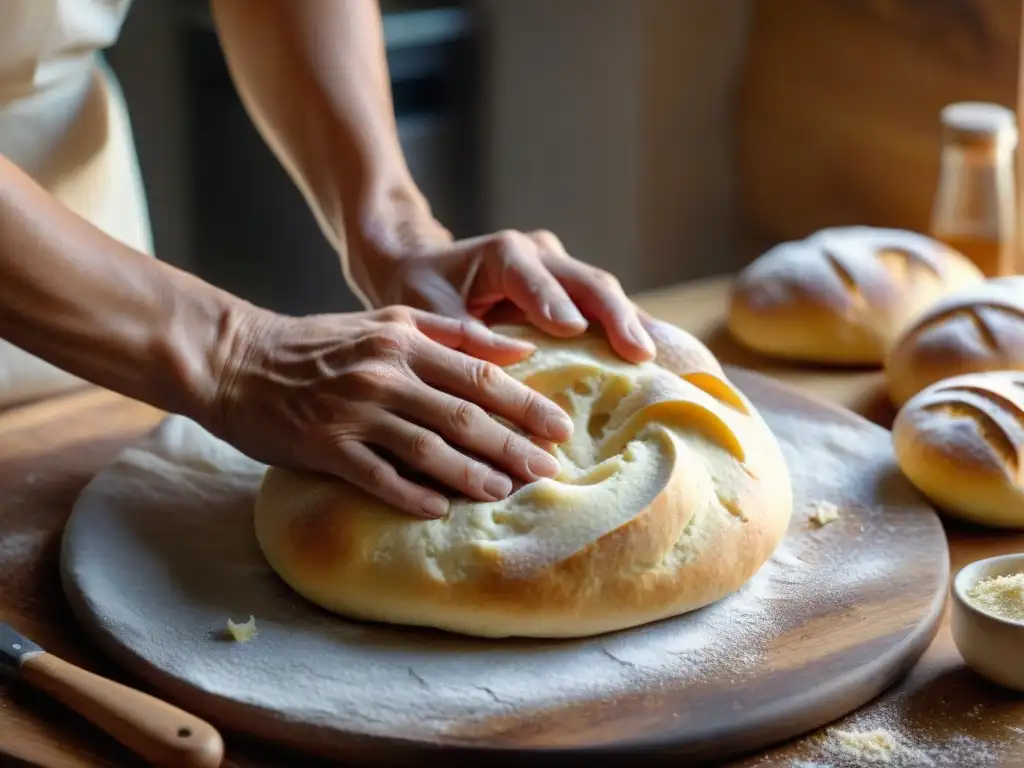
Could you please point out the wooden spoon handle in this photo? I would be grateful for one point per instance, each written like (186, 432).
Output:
(164, 735)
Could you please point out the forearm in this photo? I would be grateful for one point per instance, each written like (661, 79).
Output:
(86, 303)
(313, 75)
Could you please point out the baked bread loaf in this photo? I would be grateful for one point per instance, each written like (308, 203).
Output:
(959, 441)
(843, 295)
(673, 493)
(980, 328)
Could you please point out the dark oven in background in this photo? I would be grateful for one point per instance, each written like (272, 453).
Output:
(221, 204)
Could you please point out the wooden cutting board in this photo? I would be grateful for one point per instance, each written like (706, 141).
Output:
(159, 552)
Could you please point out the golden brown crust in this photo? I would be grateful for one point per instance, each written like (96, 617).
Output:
(675, 505)
(842, 295)
(977, 329)
(959, 441)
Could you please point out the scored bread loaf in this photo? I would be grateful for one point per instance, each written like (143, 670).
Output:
(842, 295)
(979, 328)
(673, 493)
(959, 441)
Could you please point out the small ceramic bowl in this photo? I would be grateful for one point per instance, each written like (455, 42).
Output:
(989, 645)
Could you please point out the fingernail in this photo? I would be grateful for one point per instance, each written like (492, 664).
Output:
(523, 346)
(435, 506)
(640, 337)
(497, 485)
(543, 465)
(565, 313)
(559, 427)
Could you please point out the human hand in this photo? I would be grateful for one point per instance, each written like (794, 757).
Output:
(343, 393)
(508, 277)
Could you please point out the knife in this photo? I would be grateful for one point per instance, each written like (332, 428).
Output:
(163, 734)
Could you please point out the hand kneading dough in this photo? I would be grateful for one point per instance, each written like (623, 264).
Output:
(673, 493)
(978, 329)
(959, 441)
(842, 295)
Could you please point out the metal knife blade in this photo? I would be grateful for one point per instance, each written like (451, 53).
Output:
(15, 649)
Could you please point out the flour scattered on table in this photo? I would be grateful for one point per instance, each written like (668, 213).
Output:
(890, 733)
(22, 546)
(822, 513)
(895, 748)
(885, 737)
(876, 746)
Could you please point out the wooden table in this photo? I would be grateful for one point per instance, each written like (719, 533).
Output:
(49, 451)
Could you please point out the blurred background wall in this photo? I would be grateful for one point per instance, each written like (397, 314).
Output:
(838, 106)
(663, 140)
(610, 122)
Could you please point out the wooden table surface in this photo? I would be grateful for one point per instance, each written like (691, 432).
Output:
(50, 450)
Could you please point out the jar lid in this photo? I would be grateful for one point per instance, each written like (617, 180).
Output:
(979, 119)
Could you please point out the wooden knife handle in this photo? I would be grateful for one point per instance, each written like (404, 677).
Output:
(163, 734)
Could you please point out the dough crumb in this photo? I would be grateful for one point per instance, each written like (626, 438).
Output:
(244, 632)
(823, 513)
(1000, 596)
(877, 746)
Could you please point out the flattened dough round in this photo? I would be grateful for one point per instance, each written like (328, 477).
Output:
(673, 493)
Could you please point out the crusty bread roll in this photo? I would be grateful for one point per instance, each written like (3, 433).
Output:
(673, 493)
(959, 441)
(980, 328)
(843, 295)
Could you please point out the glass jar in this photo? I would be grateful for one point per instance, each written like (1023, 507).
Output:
(974, 210)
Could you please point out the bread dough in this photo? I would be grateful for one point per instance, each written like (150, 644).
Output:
(823, 513)
(242, 632)
(980, 328)
(959, 441)
(842, 295)
(673, 493)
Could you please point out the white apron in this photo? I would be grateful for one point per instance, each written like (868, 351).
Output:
(63, 121)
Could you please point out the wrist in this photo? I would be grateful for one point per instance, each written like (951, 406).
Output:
(197, 350)
(388, 224)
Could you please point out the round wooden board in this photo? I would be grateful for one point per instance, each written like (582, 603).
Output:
(159, 552)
